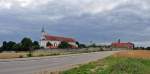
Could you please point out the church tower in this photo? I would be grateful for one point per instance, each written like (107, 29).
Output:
(43, 33)
(119, 41)
(43, 39)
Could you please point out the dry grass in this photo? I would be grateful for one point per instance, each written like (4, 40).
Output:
(134, 54)
(41, 53)
(9, 55)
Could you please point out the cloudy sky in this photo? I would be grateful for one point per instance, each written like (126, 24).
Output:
(99, 21)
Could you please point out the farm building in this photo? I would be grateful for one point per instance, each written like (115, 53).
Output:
(55, 40)
(122, 45)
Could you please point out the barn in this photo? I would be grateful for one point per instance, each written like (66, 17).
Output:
(122, 45)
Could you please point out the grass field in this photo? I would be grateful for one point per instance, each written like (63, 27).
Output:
(125, 62)
(134, 54)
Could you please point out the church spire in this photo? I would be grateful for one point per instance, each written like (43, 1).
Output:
(43, 29)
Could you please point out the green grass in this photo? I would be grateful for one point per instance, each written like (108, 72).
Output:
(113, 65)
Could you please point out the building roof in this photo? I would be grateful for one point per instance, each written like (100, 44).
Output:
(58, 38)
(121, 43)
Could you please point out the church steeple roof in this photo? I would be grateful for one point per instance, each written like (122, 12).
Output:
(43, 29)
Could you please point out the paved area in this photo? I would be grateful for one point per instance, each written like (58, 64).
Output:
(52, 63)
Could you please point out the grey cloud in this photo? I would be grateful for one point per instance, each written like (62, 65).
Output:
(128, 20)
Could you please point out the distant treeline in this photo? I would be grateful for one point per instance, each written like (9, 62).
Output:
(142, 48)
(26, 44)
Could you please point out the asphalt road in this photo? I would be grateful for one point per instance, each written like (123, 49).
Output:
(52, 63)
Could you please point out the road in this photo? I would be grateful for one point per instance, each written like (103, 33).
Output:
(51, 63)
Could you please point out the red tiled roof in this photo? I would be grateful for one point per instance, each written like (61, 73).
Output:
(57, 38)
(122, 43)
(117, 44)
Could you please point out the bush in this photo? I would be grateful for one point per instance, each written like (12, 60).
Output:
(148, 48)
(35, 45)
(21, 56)
(82, 46)
(53, 54)
(41, 55)
(48, 44)
(64, 45)
(30, 54)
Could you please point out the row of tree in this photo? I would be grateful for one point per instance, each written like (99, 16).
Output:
(26, 44)
(142, 48)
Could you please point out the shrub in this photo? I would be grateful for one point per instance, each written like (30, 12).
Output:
(29, 54)
(48, 44)
(64, 45)
(21, 56)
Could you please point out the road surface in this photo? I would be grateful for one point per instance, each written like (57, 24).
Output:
(52, 63)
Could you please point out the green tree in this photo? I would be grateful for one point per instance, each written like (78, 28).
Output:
(26, 44)
(82, 46)
(35, 45)
(78, 44)
(93, 45)
(9, 45)
(17, 47)
(1, 49)
(4, 46)
(48, 44)
(64, 44)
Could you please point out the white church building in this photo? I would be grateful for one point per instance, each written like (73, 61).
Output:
(55, 40)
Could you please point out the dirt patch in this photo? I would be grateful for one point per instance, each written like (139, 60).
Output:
(134, 54)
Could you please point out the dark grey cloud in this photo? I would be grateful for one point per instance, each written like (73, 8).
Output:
(99, 21)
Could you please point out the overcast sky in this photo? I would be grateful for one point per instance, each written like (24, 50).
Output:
(99, 21)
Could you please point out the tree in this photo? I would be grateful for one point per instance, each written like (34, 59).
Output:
(148, 48)
(78, 44)
(10, 45)
(26, 44)
(1, 49)
(48, 44)
(17, 47)
(93, 45)
(4, 46)
(64, 44)
(35, 45)
(82, 46)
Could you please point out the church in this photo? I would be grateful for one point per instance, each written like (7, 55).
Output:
(55, 40)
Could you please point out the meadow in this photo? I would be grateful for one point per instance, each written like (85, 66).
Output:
(124, 62)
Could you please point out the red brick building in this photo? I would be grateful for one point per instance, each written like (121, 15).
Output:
(122, 45)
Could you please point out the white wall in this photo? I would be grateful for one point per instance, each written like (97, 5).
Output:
(43, 43)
